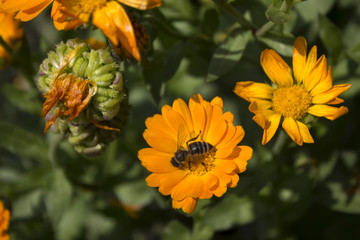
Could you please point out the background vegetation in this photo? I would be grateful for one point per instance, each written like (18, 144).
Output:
(287, 192)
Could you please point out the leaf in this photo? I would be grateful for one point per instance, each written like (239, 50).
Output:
(135, 193)
(58, 196)
(22, 142)
(309, 10)
(230, 211)
(24, 100)
(27, 204)
(330, 35)
(175, 231)
(341, 199)
(228, 54)
(210, 22)
(276, 15)
(72, 222)
(281, 44)
(160, 69)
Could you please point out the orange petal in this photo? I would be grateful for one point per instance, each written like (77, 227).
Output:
(160, 141)
(114, 22)
(190, 186)
(158, 123)
(156, 161)
(173, 119)
(217, 101)
(317, 73)
(182, 108)
(224, 179)
(331, 94)
(252, 90)
(310, 61)
(292, 129)
(299, 58)
(13, 6)
(210, 181)
(276, 68)
(328, 112)
(198, 117)
(271, 126)
(142, 4)
(226, 166)
(167, 180)
(187, 205)
(245, 154)
(220, 190)
(324, 84)
(234, 180)
(61, 20)
(304, 132)
(31, 9)
(226, 149)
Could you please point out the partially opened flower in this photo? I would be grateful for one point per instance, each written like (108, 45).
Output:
(4, 222)
(290, 100)
(194, 152)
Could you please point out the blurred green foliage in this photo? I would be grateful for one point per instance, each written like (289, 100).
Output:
(287, 192)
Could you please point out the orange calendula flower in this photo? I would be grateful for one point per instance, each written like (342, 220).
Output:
(289, 100)
(194, 152)
(108, 15)
(4, 222)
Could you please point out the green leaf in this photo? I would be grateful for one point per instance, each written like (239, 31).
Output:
(72, 222)
(24, 100)
(228, 54)
(230, 211)
(175, 231)
(281, 44)
(58, 196)
(22, 142)
(27, 204)
(210, 22)
(276, 15)
(161, 68)
(341, 199)
(330, 35)
(135, 193)
(309, 10)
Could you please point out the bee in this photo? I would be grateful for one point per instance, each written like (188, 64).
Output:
(194, 148)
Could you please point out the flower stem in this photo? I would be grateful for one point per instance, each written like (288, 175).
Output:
(264, 28)
(280, 142)
(227, 8)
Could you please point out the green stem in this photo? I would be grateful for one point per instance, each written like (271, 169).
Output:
(54, 145)
(264, 29)
(280, 142)
(227, 8)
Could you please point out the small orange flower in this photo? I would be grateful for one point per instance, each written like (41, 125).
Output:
(4, 222)
(209, 167)
(291, 101)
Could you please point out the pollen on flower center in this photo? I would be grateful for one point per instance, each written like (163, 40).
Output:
(291, 101)
(201, 164)
(90, 6)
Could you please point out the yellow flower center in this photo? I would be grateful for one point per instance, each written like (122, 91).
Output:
(291, 101)
(200, 164)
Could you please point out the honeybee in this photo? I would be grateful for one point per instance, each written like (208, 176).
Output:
(194, 148)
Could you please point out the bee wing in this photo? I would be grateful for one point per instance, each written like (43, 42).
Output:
(181, 136)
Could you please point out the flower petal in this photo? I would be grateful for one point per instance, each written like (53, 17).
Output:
(157, 123)
(142, 4)
(156, 161)
(62, 20)
(31, 9)
(328, 112)
(276, 68)
(310, 61)
(318, 72)
(244, 155)
(160, 141)
(198, 117)
(299, 58)
(234, 180)
(252, 90)
(188, 204)
(292, 129)
(271, 126)
(217, 101)
(331, 94)
(226, 149)
(304, 132)
(114, 22)
(324, 84)
(226, 166)
(190, 186)
(181, 107)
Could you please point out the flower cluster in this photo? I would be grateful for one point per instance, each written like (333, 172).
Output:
(85, 85)
(209, 166)
(289, 100)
